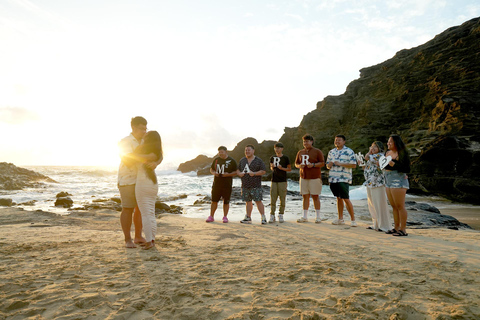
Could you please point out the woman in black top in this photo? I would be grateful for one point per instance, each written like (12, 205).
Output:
(397, 183)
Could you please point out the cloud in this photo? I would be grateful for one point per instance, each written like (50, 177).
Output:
(295, 16)
(16, 115)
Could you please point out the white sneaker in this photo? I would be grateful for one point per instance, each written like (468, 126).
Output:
(318, 220)
(301, 220)
(353, 223)
(272, 218)
(280, 218)
(338, 221)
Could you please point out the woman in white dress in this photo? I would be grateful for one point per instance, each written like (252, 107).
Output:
(376, 194)
(146, 187)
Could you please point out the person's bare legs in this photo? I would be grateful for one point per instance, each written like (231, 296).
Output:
(260, 207)
(396, 217)
(398, 195)
(213, 208)
(249, 208)
(126, 222)
(316, 201)
(340, 208)
(306, 201)
(349, 206)
(226, 207)
(137, 221)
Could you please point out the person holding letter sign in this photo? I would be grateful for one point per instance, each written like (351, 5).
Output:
(224, 168)
(375, 185)
(309, 160)
(397, 183)
(340, 161)
(250, 170)
(280, 165)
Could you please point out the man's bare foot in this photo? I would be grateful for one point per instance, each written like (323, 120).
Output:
(148, 245)
(130, 244)
(141, 241)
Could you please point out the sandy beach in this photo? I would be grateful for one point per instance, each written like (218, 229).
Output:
(75, 267)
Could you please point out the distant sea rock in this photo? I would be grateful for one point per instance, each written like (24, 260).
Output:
(200, 162)
(429, 95)
(65, 202)
(16, 178)
(6, 202)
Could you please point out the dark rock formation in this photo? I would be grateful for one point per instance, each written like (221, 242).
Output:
(15, 178)
(62, 194)
(65, 202)
(413, 205)
(161, 206)
(6, 202)
(430, 95)
(196, 164)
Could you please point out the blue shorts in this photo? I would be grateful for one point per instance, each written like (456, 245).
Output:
(396, 180)
(249, 194)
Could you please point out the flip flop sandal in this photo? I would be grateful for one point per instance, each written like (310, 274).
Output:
(391, 231)
(400, 233)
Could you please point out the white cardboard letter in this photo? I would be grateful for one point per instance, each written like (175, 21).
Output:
(305, 159)
(276, 161)
(220, 169)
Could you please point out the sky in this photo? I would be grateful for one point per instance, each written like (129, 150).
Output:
(203, 73)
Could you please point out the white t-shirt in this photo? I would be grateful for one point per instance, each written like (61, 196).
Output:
(127, 176)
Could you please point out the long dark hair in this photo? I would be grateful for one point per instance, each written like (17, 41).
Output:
(152, 143)
(401, 148)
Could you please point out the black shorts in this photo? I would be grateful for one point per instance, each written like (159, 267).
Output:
(221, 192)
(340, 190)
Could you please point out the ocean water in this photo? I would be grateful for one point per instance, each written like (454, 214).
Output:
(86, 184)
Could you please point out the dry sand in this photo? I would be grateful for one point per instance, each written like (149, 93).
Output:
(75, 267)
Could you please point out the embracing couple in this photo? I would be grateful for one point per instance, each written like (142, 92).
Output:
(140, 153)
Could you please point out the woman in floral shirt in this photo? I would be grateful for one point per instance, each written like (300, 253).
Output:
(375, 183)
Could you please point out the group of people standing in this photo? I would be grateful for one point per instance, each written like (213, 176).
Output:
(390, 182)
(385, 177)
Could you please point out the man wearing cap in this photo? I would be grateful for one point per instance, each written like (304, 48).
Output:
(224, 168)
(280, 165)
(309, 160)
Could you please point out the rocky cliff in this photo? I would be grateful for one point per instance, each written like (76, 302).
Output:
(430, 95)
(16, 178)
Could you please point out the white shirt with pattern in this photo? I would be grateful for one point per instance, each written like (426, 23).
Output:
(374, 177)
(339, 173)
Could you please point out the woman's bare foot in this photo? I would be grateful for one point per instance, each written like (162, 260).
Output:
(141, 241)
(148, 245)
(130, 244)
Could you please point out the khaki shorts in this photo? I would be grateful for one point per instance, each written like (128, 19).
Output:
(311, 186)
(127, 194)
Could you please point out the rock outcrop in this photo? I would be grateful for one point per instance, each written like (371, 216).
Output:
(16, 178)
(430, 95)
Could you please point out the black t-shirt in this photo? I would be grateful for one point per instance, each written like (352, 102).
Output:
(220, 165)
(279, 175)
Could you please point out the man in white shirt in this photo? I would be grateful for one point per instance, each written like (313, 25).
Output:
(127, 177)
